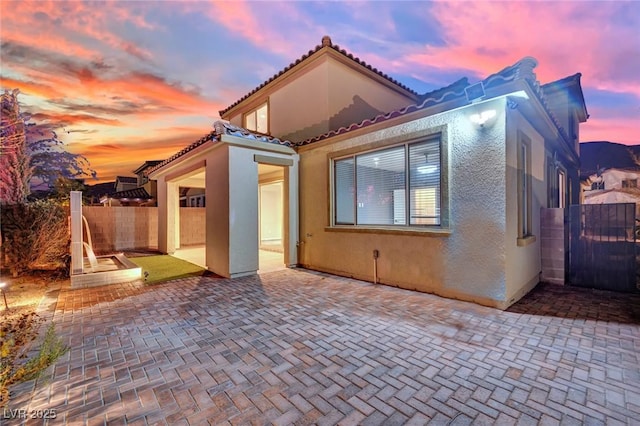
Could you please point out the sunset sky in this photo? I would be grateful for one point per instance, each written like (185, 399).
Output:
(130, 81)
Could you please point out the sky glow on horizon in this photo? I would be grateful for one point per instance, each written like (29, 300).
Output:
(129, 81)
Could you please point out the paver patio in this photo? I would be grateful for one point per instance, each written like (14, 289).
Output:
(299, 347)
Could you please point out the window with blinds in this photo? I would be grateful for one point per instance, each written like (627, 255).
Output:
(393, 186)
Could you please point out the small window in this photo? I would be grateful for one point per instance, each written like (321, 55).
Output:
(597, 185)
(524, 187)
(392, 186)
(562, 189)
(630, 183)
(257, 120)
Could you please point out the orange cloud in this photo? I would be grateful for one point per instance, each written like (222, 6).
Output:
(111, 157)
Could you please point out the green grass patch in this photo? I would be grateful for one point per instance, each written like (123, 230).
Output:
(164, 268)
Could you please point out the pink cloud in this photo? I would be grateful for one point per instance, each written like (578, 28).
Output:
(483, 37)
(258, 23)
(620, 130)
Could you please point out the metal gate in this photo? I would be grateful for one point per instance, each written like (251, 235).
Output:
(602, 247)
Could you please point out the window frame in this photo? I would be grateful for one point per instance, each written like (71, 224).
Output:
(255, 112)
(417, 138)
(524, 190)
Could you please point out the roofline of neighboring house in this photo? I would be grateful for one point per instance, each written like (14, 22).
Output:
(125, 178)
(326, 45)
(135, 193)
(588, 174)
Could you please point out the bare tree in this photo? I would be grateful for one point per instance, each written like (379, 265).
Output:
(15, 160)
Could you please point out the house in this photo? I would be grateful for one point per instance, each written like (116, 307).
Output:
(137, 191)
(124, 183)
(352, 173)
(614, 185)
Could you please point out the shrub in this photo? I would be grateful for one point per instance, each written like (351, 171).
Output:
(15, 334)
(35, 236)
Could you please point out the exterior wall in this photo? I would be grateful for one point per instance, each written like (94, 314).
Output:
(123, 228)
(345, 83)
(612, 179)
(302, 103)
(466, 262)
(302, 108)
(552, 245)
(523, 264)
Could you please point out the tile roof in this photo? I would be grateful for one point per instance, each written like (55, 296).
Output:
(221, 128)
(444, 94)
(326, 42)
(521, 70)
(140, 193)
(127, 179)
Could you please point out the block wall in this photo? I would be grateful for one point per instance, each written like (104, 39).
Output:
(552, 245)
(119, 228)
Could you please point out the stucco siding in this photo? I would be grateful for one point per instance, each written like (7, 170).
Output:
(321, 96)
(475, 251)
(523, 262)
(345, 83)
(299, 109)
(467, 263)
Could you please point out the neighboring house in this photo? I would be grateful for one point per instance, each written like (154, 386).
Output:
(124, 183)
(137, 191)
(439, 192)
(613, 185)
(194, 197)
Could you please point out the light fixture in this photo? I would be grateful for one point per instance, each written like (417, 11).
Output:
(482, 117)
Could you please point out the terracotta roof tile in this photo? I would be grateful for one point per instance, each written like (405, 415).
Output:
(444, 94)
(127, 179)
(140, 193)
(326, 42)
(221, 128)
(522, 69)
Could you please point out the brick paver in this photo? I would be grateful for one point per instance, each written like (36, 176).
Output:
(299, 347)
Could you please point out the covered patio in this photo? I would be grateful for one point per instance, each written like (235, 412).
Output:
(250, 184)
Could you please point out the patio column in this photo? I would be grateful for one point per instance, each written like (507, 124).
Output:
(168, 216)
(232, 212)
(291, 213)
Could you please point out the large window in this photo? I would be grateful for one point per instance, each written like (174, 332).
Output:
(257, 120)
(524, 187)
(393, 186)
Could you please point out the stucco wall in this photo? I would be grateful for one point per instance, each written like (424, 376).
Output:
(468, 263)
(345, 83)
(123, 228)
(301, 104)
(301, 108)
(523, 262)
